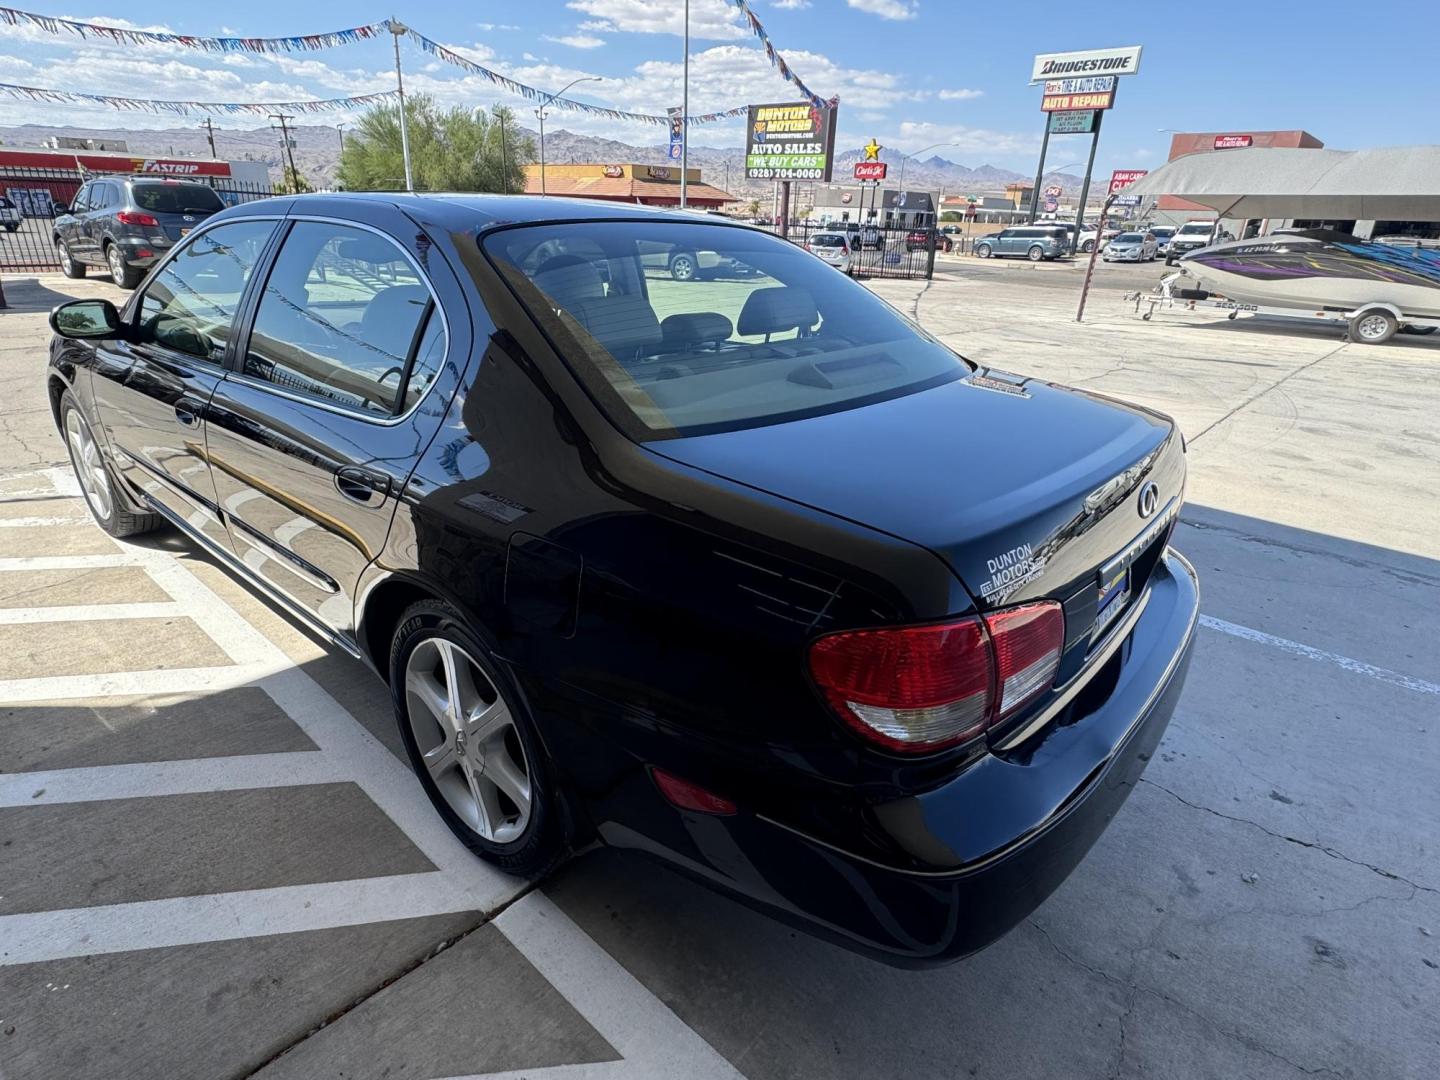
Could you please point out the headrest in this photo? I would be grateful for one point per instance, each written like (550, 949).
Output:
(695, 328)
(773, 311)
(567, 279)
(625, 325)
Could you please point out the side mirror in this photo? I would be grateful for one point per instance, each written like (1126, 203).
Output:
(59, 209)
(86, 319)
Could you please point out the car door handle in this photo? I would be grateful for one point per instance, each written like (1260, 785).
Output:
(362, 485)
(187, 416)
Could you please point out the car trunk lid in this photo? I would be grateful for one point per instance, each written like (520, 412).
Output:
(1025, 489)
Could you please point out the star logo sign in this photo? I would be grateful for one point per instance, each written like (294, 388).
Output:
(872, 150)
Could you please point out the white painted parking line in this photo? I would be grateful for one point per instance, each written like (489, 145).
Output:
(186, 777)
(196, 681)
(1309, 652)
(192, 920)
(90, 613)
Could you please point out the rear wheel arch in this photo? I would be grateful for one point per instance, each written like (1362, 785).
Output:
(380, 613)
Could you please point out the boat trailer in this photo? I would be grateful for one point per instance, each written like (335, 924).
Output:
(1368, 324)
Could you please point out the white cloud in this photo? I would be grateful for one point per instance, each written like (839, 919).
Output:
(598, 26)
(490, 27)
(530, 57)
(887, 9)
(709, 19)
(966, 140)
(960, 95)
(790, 5)
(577, 41)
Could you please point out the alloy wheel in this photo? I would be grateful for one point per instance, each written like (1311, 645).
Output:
(117, 263)
(682, 268)
(466, 735)
(89, 466)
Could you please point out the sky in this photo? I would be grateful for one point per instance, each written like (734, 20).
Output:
(909, 73)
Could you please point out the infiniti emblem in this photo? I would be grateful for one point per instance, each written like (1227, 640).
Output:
(1149, 499)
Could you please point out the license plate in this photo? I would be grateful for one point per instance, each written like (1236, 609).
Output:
(1114, 594)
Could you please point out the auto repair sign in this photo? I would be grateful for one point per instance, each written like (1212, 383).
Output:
(1075, 65)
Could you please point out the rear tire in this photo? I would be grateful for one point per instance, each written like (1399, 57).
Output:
(121, 272)
(492, 785)
(102, 493)
(68, 266)
(1373, 327)
(683, 267)
(1088, 246)
(1035, 254)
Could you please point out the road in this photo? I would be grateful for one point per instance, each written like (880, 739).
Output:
(216, 865)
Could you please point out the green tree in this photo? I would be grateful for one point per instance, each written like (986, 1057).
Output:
(292, 182)
(450, 149)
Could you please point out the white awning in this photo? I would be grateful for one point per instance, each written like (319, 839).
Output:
(1393, 184)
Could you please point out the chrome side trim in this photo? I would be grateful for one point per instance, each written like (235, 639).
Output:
(1093, 663)
(230, 563)
(283, 557)
(1161, 686)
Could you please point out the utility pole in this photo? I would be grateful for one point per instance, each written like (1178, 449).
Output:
(685, 116)
(504, 158)
(210, 134)
(341, 129)
(397, 29)
(285, 144)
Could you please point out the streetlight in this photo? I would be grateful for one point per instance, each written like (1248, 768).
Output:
(479, 111)
(904, 157)
(540, 112)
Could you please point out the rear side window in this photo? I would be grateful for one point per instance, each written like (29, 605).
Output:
(764, 333)
(339, 318)
(176, 198)
(190, 305)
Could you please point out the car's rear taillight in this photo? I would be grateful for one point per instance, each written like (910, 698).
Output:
(135, 217)
(922, 688)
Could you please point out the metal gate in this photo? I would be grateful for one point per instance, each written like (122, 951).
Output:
(882, 251)
(33, 200)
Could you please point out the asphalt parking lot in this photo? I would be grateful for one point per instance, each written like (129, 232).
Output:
(214, 864)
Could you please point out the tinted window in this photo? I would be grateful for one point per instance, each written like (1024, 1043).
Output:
(190, 304)
(81, 202)
(176, 198)
(828, 240)
(429, 357)
(338, 318)
(767, 333)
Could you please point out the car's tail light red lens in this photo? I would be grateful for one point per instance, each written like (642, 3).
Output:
(134, 217)
(1027, 642)
(690, 796)
(922, 688)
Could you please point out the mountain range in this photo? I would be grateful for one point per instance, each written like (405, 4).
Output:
(317, 156)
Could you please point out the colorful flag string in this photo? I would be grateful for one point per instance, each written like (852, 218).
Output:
(184, 108)
(336, 38)
(123, 36)
(777, 61)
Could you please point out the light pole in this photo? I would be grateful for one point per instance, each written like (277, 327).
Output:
(904, 157)
(540, 112)
(478, 111)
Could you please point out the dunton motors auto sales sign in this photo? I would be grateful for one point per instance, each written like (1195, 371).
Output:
(1071, 65)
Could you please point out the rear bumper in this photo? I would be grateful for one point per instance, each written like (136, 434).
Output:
(1023, 820)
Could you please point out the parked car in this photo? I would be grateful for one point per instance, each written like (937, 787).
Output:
(125, 225)
(738, 577)
(1192, 236)
(1163, 235)
(920, 240)
(872, 237)
(831, 247)
(9, 214)
(1033, 242)
(1131, 247)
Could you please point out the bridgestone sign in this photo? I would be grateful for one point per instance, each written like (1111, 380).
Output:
(1122, 61)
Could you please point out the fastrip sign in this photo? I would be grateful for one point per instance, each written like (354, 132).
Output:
(1089, 62)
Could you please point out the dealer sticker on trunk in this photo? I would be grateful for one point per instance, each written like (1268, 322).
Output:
(1009, 570)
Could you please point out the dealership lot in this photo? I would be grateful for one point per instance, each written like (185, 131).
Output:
(212, 852)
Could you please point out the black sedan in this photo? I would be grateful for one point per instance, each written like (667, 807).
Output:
(749, 573)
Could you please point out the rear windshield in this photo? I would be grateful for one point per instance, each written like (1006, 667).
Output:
(176, 198)
(762, 332)
(827, 240)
